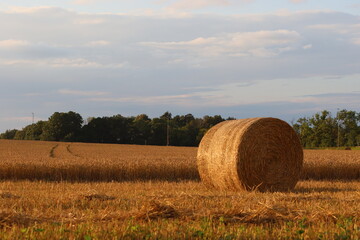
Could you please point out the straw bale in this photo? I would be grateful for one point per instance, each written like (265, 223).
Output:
(248, 154)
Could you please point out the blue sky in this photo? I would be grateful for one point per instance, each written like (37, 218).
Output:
(249, 58)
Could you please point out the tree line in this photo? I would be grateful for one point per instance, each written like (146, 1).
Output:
(320, 130)
(180, 130)
(324, 130)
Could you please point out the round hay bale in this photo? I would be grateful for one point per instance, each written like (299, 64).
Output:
(255, 153)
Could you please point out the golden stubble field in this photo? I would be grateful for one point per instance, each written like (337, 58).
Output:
(55, 190)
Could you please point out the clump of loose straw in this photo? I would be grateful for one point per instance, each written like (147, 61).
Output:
(255, 153)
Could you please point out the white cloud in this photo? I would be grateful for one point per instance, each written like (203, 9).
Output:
(89, 21)
(356, 41)
(31, 10)
(181, 5)
(35, 94)
(87, 2)
(298, 1)
(90, 2)
(334, 99)
(259, 44)
(307, 46)
(346, 32)
(356, 5)
(82, 63)
(165, 99)
(82, 93)
(284, 90)
(61, 63)
(197, 4)
(13, 43)
(22, 119)
(56, 62)
(338, 28)
(97, 43)
(83, 2)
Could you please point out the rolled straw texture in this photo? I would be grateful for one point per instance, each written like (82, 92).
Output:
(256, 153)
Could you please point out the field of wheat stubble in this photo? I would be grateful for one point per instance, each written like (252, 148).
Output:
(52, 190)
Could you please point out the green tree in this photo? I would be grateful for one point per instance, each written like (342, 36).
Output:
(161, 129)
(305, 131)
(141, 129)
(358, 140)
(115, 129)
(209, 121)
(34, 131)
(62, 127)
(324, 130)
(349, 128)
(120, 129)
(20, 135)
(192, 132)
(96, 130)
(8, 134)
(158, 131)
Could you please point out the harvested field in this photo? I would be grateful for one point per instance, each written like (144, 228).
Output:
(182, 210)
(53, 161)
(93, 191)
(331, 164)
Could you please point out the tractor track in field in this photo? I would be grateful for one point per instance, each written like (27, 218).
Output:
(68, 149)
(62, 151)
(52, 151)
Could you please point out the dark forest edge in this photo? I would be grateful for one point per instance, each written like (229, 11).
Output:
(322, 130)
(184, 130)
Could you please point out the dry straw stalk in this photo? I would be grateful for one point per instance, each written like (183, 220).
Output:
(254, 153)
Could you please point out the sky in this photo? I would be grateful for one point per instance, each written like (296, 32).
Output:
(245, 58)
